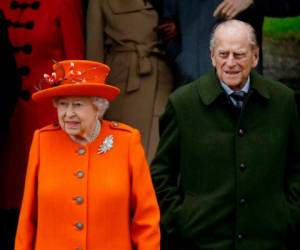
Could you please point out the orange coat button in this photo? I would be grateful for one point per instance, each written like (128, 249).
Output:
(79, 225)
(81, 151)
(79, 174)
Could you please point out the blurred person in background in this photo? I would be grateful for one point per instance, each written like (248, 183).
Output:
(122, 34)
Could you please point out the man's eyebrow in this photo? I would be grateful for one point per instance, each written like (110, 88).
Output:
(240, 51)
(222, 50)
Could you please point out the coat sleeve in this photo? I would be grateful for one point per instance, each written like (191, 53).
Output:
(26, 232)
(95, 31)
(71, 22)
(165, 170)
(293, 170)
(145, 232)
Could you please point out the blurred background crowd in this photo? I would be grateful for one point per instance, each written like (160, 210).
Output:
(152, 47)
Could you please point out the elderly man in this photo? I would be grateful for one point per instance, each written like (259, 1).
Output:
(227, 169)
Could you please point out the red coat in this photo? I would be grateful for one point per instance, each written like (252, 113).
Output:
(56, 33)
(77, 199)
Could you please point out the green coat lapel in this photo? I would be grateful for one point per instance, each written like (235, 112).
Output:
(210, 88)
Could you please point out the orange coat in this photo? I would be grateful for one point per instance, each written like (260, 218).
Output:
(75, 198)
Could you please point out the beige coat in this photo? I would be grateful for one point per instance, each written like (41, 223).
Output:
(121, 34)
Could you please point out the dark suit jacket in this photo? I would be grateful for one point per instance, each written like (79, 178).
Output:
(224, 179)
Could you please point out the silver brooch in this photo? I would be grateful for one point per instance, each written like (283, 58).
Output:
(106, 145)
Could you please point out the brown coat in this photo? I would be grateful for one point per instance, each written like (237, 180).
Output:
(121, 33)
(109, 194)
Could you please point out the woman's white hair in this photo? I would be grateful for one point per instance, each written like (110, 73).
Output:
(101, 104)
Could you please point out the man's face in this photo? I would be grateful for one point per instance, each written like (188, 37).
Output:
(233, 56)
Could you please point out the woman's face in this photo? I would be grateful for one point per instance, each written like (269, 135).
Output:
(77, 115)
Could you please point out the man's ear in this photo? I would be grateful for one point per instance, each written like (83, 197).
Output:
(212, 57)
(255, 57)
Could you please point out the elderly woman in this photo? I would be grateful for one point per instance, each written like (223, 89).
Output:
(88, 184)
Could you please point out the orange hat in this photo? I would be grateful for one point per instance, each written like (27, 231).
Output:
(77, 78)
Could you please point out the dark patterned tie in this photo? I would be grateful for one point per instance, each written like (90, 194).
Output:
(237, 98)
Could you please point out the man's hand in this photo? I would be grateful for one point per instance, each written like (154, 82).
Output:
(167, 29)
(229, 9)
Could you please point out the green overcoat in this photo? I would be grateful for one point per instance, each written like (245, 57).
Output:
(227, 179)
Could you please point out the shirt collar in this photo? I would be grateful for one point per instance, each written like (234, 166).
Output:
(229, 91)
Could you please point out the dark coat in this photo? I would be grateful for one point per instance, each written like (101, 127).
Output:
(224, 179)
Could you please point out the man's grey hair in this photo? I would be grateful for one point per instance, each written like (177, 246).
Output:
(101, 104)
(234, 22)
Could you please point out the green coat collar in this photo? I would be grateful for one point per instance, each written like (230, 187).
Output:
(209, 87)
